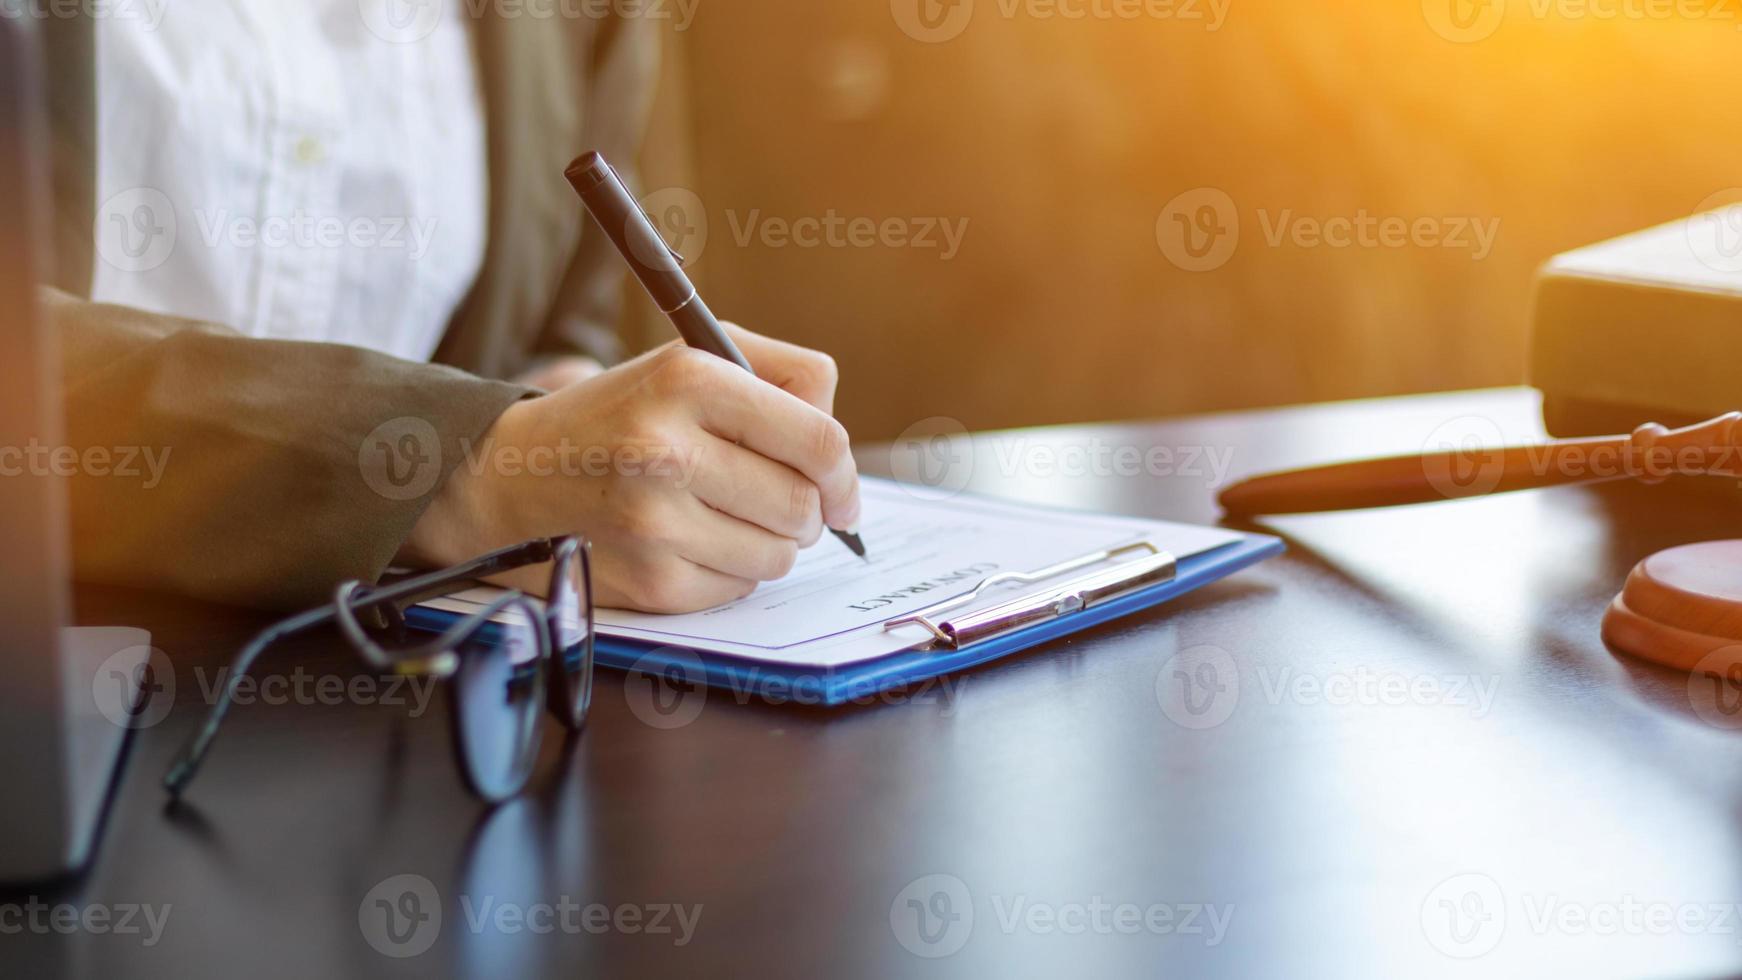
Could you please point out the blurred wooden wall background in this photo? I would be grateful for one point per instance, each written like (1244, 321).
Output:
(1060, 142)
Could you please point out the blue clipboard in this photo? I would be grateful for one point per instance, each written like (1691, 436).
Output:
(857, 682)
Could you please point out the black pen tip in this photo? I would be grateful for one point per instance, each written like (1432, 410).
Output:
(852, 541)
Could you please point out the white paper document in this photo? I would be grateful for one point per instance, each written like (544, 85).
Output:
(924, 548)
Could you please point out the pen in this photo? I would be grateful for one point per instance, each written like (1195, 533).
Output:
(659, 268)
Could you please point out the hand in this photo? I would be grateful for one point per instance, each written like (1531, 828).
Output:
(694, 479)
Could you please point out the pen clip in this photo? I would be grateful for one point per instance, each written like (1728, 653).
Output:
(651, 223)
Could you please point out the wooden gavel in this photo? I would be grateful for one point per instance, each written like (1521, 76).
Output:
(1681, 607)
(1652, 453)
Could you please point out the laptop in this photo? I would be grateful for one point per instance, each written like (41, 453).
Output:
(68, 696)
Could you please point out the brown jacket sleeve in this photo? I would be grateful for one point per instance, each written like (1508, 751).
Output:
(245, 471)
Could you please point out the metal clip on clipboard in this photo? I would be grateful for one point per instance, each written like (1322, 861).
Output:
(1049, 603)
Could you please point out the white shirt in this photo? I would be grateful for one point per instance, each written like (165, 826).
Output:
(292, 170)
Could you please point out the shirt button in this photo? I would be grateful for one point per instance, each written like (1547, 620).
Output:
(310, 151)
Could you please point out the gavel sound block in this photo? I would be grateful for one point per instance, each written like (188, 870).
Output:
(1681, 607)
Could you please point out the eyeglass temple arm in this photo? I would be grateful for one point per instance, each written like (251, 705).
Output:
(187, 762)
(440, 582)
(432, 657)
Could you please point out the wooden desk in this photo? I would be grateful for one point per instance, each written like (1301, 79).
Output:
(1408, 697)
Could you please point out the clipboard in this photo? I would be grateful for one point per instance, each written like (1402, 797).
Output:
(1060, 605)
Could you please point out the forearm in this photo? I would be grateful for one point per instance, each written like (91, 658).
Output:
(281, 467)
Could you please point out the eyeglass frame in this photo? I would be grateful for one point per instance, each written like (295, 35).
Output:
(436, 658)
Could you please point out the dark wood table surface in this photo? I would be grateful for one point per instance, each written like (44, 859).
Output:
(1401, 751)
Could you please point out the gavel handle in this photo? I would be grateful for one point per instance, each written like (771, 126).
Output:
(1651, 454)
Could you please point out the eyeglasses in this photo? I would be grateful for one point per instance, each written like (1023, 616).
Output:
(541, 652)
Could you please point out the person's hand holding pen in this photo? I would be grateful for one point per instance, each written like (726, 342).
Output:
(694, 479)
